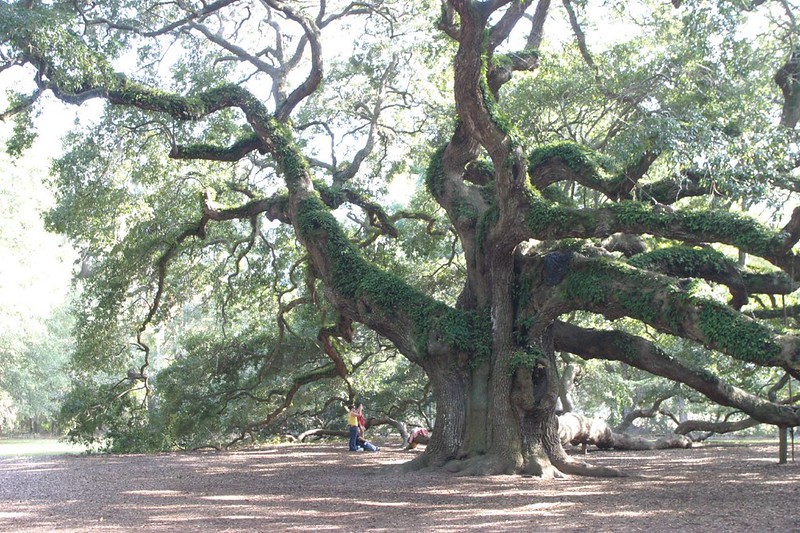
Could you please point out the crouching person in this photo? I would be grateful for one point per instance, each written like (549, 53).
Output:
(418, 436)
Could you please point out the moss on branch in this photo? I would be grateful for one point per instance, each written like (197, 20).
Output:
(686, 261)
(234, 152)
(487, 221)
(544, 216)
(356, 279)
(735, 334)
(723, 226)
(578, 158)
(434, 174)
(75, 73)
(528, 358)
(616, 290)
(479, 172)
(526, 59)
(547, 220)
(588, 167)
(508, 135)
(746, 232)
(496, 114)
(460, 208)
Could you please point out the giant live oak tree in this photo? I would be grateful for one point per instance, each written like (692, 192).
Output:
(239, 88)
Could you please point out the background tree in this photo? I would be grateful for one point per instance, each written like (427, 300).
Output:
(35, 325)
(223, 116)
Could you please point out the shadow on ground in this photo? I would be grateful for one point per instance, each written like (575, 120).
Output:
(326, 488)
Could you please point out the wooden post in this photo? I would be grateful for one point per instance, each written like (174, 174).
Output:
(783, 447)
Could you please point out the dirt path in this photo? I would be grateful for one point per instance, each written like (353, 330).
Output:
(325, 488)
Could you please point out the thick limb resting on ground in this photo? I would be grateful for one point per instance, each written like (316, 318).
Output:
(577, 429)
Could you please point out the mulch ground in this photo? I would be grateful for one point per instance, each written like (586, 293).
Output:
(323, 487)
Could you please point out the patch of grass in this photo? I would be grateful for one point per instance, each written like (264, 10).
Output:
(35, 447)
(746, 440)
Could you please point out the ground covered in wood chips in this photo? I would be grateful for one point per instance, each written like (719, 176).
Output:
(323, 487)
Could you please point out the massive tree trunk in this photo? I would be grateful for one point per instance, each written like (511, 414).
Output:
(495, 420)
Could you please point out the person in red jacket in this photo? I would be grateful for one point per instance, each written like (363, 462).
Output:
(362, 421)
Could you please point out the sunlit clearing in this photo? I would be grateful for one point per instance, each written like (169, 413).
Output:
(383, 504)
(154, 492)
(534, 508)
(629, 514)
(5, 514)
(227, 497)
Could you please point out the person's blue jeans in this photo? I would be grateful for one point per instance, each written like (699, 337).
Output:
(353, 438)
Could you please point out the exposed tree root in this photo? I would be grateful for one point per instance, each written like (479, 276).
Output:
(484, 465)
(491, 465)
(579, 468)
(424, 461)
(546, 470)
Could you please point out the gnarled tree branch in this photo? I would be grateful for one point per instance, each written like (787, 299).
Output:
(646, 355)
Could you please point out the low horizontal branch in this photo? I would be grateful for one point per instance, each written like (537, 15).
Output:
(640, 353)
(615, 290)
